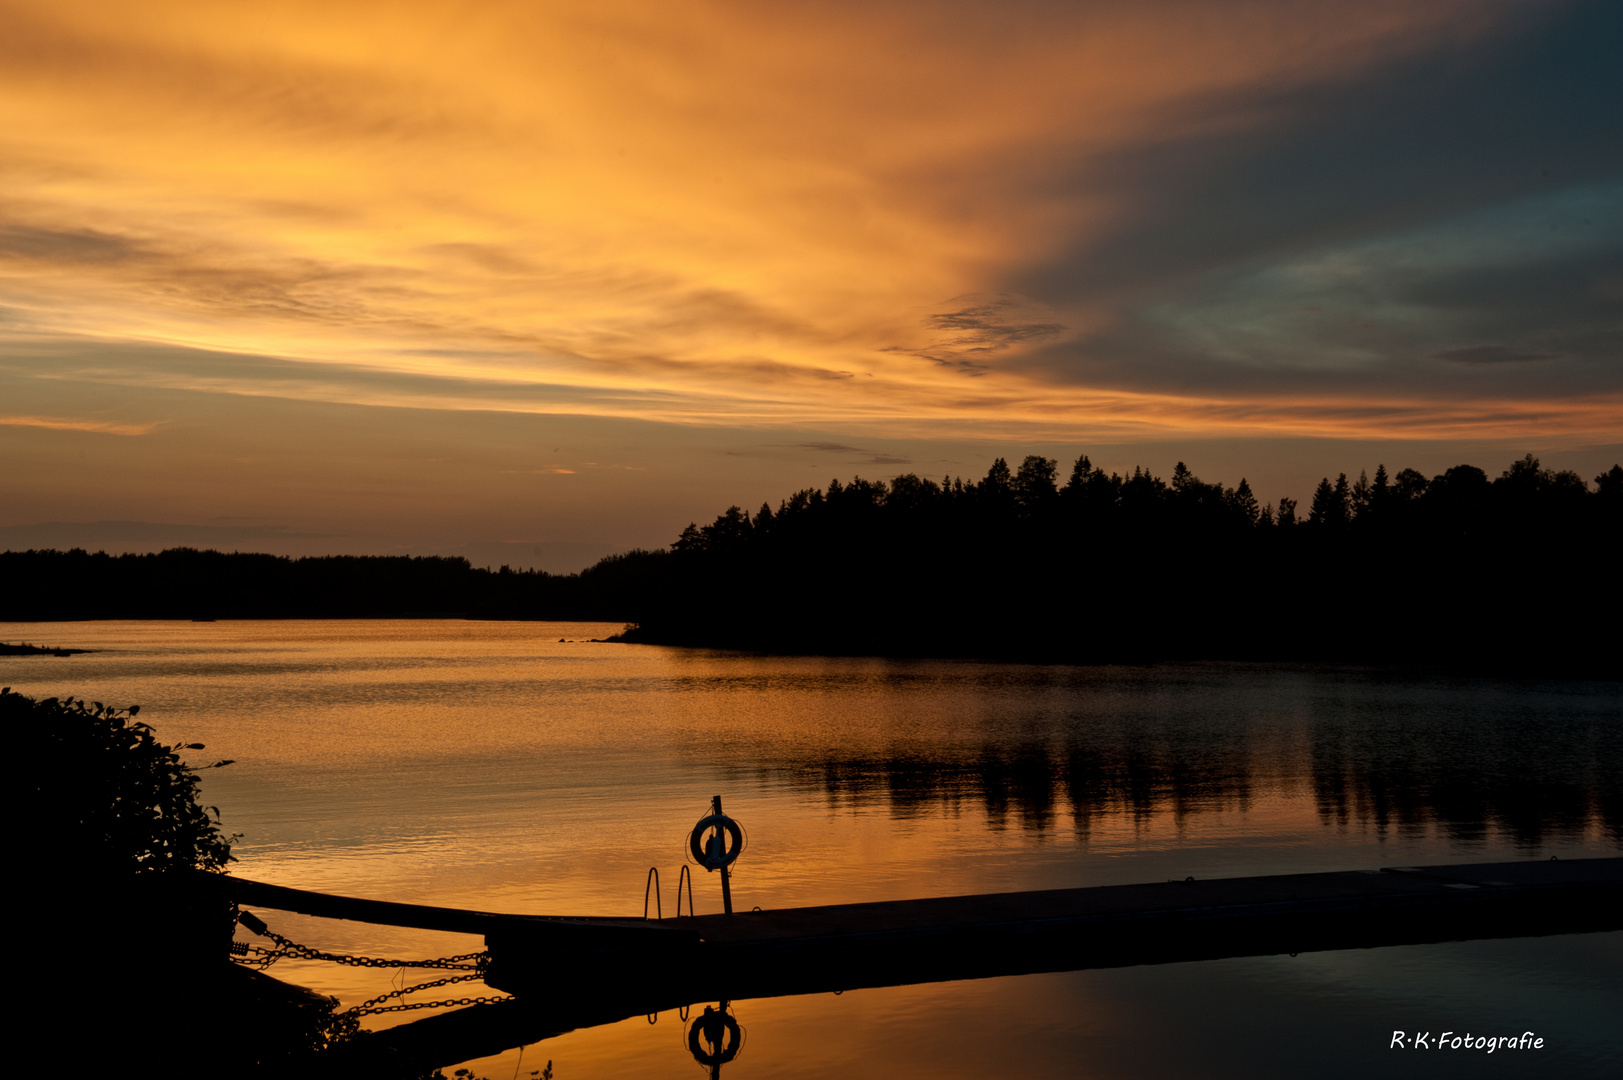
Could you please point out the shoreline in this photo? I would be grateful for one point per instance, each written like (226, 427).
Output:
(25, 649)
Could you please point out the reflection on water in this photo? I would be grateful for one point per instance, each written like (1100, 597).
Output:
(1028, 745)
(1326, 1014)
(714, 1038)
(1532, 773)
(492, 765)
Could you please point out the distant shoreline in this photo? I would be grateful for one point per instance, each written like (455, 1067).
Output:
(25, 649)
(1049, 653)
(1459, 572)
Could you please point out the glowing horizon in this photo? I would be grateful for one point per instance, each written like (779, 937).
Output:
(489, 278)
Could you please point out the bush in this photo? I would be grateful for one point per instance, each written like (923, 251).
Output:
(119, 858)
(104, 798)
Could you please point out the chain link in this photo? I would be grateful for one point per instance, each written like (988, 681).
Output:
(474, 963)
(261, 957)
(366, 1006)
(445, 1004)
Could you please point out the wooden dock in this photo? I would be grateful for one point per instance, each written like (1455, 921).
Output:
(839, 947)
(568, 973)
(844, 946)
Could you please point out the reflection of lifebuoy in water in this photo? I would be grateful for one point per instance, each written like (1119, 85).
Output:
(715, 1038)
(724, 826)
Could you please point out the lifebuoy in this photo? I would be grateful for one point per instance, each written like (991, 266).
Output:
(721, 823)
(718, 1029)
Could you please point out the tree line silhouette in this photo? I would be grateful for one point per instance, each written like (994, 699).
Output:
(185, 583)
(1518, 569)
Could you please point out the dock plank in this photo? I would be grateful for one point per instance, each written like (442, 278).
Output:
(886, 943)
(842, 946)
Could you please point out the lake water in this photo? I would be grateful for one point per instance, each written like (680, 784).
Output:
(522, 767)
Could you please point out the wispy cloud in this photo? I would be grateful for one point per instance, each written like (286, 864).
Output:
(978, 329)
(868, 457)
(70, 423)
(149, 534)
(755, 216)
(1016, 412)
(1491, 354)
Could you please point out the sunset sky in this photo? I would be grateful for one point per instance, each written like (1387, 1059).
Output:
(532, 282)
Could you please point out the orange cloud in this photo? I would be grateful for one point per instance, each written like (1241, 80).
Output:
(719, 213)
(67, 423)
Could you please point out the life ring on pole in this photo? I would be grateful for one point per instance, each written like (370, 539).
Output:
(711, 859)
(714, 1038)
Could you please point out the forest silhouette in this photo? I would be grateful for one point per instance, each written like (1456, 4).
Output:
(1516, 571)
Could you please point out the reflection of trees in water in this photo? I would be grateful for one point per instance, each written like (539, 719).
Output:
(1098, 774)
(1534, 775)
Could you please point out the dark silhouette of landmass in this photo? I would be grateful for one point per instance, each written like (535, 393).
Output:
(25, 649)
(185, 583)
(1515, 573)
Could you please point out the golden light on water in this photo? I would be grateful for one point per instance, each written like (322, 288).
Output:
(493, 766)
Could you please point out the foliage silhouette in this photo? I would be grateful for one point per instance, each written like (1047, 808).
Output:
(116, 853)
(1457, 569)
(185, 583)
(117, 802)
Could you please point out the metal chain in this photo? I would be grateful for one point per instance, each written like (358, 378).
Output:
(446, 1004)
(259, 956)
(474, 963)
(366, 1006)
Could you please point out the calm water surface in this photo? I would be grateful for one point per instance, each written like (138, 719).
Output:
(495, 766)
